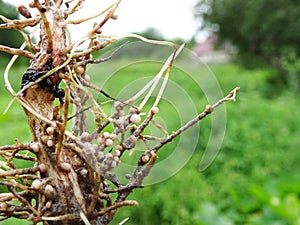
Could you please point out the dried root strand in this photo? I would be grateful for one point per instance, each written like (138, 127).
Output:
(117, 205)
(208, 110)
(14, 51)
(15, 172)
(18, 24)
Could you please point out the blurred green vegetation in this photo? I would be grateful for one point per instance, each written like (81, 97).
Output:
(255, 177)
(265, 32)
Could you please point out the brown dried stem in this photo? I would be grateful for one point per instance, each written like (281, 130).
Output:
(208, 110)
(18, 24)
(14, 51)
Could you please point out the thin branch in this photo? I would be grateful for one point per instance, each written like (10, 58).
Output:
(23, 157)
(208, 110)
(22, 199)
(47, 27)
(65, 217)
(151, 138)
(94, 48)
(150, 41)
(97, 61)
(28, 38)
(14, 51)
(116, 205)
(62, 127)
(110, 15)
(75, 45)
(160, 127)
(75, 7)
(86, 18)
(78, 113)
(21, 171)
(14, 147)
(87, 84)
(144, 124)
(77, 81)
(18, 24)
(59, 3)
(6, 72)
(145, 172)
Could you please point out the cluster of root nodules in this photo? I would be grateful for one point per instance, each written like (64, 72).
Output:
(68, 174)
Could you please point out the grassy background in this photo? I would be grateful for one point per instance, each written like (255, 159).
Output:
(253, 180)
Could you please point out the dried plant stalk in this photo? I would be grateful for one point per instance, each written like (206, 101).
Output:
(67, 182)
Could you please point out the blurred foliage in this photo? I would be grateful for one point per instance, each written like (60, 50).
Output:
(254, 179)
(152, 33)
(9, 38)
(266, 32)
